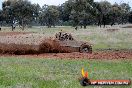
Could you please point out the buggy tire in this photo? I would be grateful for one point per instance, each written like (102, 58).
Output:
(86, 49)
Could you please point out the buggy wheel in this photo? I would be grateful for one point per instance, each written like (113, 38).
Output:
(86, 49)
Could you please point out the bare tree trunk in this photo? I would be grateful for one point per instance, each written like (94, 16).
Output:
(85, 26)
(1, 23)
(12, 27)
(49, 26)
(23, 25)
(81, 26)
(99, 23)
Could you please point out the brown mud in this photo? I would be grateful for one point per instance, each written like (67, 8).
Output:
(32, 49)
(76, 55)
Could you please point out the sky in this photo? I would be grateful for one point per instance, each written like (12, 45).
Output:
(57, 2)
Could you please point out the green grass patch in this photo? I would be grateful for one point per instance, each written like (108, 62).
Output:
(56, 73)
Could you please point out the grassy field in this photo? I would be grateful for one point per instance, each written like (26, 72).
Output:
(18, 72)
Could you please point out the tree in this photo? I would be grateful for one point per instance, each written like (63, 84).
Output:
(65, 11)
(23, 11)
(102, 10)
(20, 10)
(73, 12)
(36, 11)
(1, 17)
(49, 15)
(7, 11)
(125, 9)
(80, 11)
(130, 17)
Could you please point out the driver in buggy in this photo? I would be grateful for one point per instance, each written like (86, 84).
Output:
(63, 36)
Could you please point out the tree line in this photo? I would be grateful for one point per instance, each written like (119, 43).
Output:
(71, 13)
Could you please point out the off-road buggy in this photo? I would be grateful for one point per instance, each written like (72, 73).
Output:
(64, 42)
(36, 44)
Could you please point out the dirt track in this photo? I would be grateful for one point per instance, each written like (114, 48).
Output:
(101, 54)
(76, 55)
(94, 55)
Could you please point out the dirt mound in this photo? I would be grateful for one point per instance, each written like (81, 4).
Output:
(18, 49)
(53, 46)
(21, 43)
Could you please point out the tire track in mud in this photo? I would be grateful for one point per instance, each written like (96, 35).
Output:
(76, 55)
